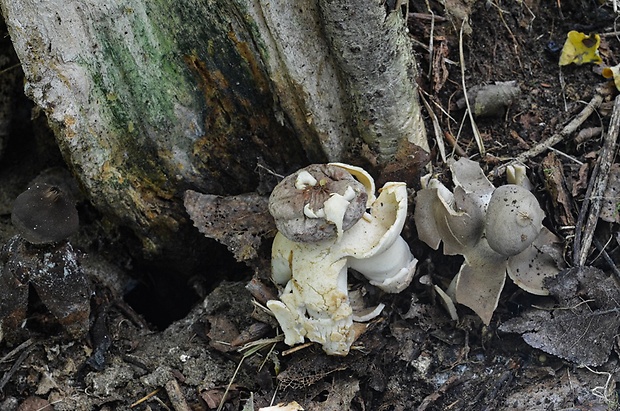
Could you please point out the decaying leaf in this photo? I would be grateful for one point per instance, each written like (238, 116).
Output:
(582, 327)
(408, 164)
(213, 397)
(458, 11)
(340, 395)
(610, 206)
(222, 331)
(309, 370)
(581, 184)
(239, 222)
(580, 48)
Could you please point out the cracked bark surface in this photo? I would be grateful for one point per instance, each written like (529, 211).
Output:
(148, 99)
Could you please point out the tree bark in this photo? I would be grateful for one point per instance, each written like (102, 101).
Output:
(150, 98)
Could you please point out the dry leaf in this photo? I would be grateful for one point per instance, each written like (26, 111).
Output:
(239, 222)
(340, 395)
(580, 48)
(581, 184)
(582, 328)
(408, 164)
(309, 370)
(213, 397)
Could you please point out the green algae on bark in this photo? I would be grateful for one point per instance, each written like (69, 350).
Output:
(149, 99)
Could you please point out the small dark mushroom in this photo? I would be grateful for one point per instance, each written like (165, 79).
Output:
(41, 257)
(44, 214)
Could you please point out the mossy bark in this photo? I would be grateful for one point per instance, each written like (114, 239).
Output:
(150, 98)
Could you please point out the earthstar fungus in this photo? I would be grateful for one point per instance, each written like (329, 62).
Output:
(332, 232)
(41, 256)
(497, 230)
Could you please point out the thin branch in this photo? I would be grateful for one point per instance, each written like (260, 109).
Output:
(569, 129)
(27, 348)
(591, 207)
(436, 127)
(430, 41)
(474, 127)
(608, 260)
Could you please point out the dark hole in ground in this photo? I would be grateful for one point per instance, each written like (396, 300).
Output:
(162, 296)
(161, 299)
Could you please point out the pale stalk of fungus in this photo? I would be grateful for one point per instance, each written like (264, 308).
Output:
(314, 303)
(516, 174)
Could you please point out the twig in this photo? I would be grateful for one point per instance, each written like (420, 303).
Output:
(569, 129)
(436, 128)
(175, 396)
(610, 34)
(422, 16)
(606, 391)
(607, 258)
(296, 348)
(17, 349)
(458, 135)
(5, 70)
(268, 170)
(571, 158)
(145, 398)
(591, 207)
(562, 88)
(437, 105)
(474, 127)
(430, 41)
(7, 376)
(455, 145)
(512, 36)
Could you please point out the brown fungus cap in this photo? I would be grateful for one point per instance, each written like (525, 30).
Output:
(44, 214)
(305, 192)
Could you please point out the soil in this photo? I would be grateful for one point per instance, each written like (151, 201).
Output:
(155, 346)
